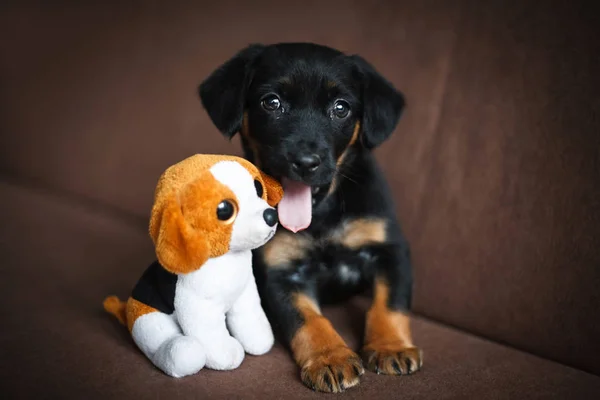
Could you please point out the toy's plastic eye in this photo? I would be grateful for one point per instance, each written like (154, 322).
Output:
(226, 211)
(259, 188)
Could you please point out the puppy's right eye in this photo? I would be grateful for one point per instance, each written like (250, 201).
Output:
(270, 102)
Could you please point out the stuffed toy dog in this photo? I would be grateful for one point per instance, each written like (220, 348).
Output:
(209, 212)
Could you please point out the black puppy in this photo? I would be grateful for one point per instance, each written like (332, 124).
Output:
(310, 115)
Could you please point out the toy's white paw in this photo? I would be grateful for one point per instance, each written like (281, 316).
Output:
(227, 354)
(251, 327)
(259, 343)
(181, 356)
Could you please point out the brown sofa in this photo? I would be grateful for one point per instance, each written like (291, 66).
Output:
(495, 168)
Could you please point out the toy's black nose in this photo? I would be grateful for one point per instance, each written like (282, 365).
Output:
(270, 216)
(307, 163)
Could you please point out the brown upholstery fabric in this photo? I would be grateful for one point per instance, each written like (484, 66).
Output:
(57, 342)
(495, 169)
(501, 201)
(99, 99)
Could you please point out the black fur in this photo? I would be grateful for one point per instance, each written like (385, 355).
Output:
(308, 79)
(223, 94)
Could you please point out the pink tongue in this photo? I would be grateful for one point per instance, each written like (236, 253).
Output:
(295, 208)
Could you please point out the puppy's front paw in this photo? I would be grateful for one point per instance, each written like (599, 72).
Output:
(227, 354)
(392, 359)
(332, 370)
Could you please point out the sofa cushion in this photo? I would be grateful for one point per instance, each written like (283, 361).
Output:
(502, 203)
(494, 165)
(62, 256)
(100, 98)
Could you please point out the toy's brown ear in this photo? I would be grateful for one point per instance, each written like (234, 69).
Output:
(179, 247)
(274, 189)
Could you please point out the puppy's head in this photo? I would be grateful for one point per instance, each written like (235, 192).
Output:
(301, 108)
(206, 206)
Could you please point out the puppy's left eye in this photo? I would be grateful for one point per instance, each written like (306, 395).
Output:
(259, 188)
(341, 109)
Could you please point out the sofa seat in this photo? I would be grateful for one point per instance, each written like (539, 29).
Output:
(66, 254)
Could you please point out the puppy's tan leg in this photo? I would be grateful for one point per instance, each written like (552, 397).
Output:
(326, 362)
(388, 345)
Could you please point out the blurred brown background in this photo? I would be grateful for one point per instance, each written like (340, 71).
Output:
(495, 165)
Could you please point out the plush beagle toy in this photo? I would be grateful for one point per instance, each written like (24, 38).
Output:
(209, 212)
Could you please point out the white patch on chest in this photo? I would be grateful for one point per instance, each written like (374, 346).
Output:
(347, 274)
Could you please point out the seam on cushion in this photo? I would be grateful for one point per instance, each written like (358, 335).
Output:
(434, 129)
(486, 337)
(72, 199)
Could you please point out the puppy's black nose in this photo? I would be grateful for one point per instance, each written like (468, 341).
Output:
(307, 163)
(270, 216)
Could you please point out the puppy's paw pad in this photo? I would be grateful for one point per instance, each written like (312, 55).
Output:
(393, 360)
(332, 370)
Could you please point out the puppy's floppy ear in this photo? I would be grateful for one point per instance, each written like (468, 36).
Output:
(223, 93)
(179, 247)
(274, 189)
(382, 104)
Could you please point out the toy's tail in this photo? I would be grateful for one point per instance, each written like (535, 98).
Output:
(116, 307)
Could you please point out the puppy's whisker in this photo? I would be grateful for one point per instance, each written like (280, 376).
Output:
(267, 147)
(347, 177)
(348, 169)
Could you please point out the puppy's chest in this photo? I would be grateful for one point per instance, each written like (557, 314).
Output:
(221, 279)
(335, 263)
(340, 257)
